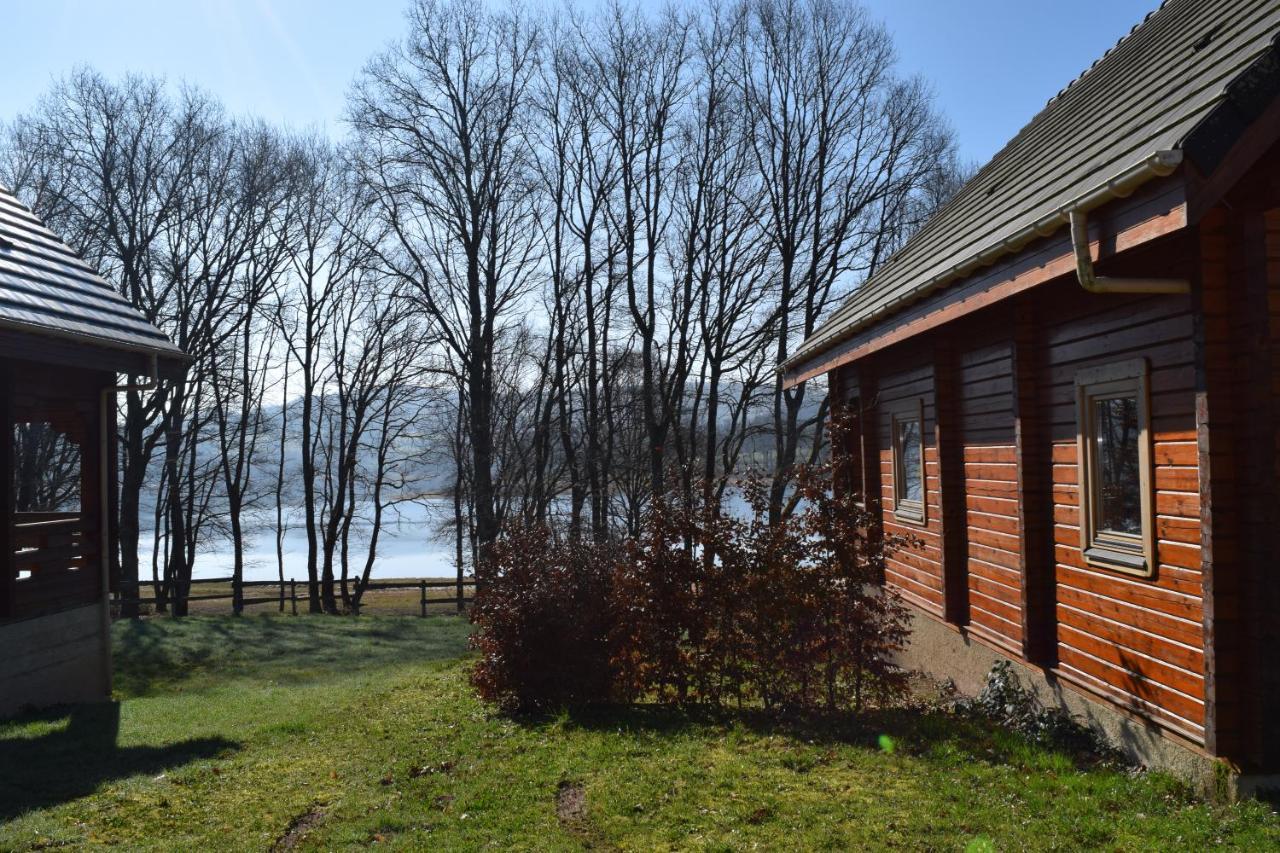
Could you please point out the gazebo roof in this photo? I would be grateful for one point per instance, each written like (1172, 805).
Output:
(46, 289)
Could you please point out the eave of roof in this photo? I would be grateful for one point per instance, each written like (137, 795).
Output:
(1205, 48)
(47, 290)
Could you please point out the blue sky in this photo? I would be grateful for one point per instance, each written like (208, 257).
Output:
(992, 63)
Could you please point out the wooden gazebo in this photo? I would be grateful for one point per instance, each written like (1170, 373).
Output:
(66, 337)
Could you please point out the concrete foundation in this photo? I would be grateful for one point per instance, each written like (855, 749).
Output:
(55, 659)
(944, 652)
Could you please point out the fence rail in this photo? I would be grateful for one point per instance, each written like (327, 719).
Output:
(288, 592)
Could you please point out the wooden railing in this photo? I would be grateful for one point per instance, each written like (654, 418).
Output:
(54, 563)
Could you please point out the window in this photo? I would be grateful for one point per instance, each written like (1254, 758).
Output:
(54, 564)
(46, 469)
(1114, 446)
(908, 466)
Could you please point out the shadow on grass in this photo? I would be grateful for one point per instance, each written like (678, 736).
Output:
(913, 730)
(74, 760)
(151, 654)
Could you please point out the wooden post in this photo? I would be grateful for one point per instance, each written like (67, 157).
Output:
(864, 380)
(953, 523)
(1215, 431)
(8, 576)
(293, 595)
(1035, 498)
(131, 611)
(423, 587)
(1263, 631)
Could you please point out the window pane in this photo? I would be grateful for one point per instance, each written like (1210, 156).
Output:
(911, 488)
(46, 469)
(1119, 482)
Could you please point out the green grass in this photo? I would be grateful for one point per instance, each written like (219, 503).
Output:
(231, 733)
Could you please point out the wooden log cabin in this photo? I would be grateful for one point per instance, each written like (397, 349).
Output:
(65, 337)
(1066, 385)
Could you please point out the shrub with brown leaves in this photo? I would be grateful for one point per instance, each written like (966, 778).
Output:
(543, 622)
(703, 607)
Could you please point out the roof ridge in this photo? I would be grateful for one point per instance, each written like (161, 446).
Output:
(1061, 93)
(1124, 38)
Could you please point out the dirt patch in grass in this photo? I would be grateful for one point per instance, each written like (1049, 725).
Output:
(572, 810)
(298, 828)
(571, 803)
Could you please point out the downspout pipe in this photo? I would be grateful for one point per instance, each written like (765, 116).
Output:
(1095, 283)
(106, 421)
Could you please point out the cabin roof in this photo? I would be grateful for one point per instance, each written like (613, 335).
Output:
(1169, 77)
(46, 289)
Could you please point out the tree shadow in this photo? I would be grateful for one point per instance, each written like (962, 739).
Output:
(152, 654)
(918, 730)
(72, 761)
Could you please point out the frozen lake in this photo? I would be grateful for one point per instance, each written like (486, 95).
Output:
(409, 548)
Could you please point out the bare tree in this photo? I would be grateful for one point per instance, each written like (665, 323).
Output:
(638, 64)
(836, 137)
(242, 366)
(440, 121)
(401, 410)
(325, 249)
(725, 257)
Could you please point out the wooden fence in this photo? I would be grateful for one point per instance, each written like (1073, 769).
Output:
(287, 593)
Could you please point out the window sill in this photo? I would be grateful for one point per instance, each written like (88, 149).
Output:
(912, 514)
(1128, 562)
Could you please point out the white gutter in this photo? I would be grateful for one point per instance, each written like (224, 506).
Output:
(1157, 165)
(107, 421)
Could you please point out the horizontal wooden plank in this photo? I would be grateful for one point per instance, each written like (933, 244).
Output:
(989, 453)
(1192, 730)
(1147, 668)
(1190, 658)
(1152, 621)
(1121, 587)
(980, 532)
(1007, 595)
(1003, 524)
(1133, 684)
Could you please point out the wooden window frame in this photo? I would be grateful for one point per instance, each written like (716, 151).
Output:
(909, 511)
(1127, 553)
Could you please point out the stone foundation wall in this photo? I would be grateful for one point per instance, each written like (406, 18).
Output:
(943, 652)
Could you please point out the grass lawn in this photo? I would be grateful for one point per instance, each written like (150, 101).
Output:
(320, 733)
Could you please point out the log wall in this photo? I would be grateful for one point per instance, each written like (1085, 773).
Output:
(999, 395)
(917, 571)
